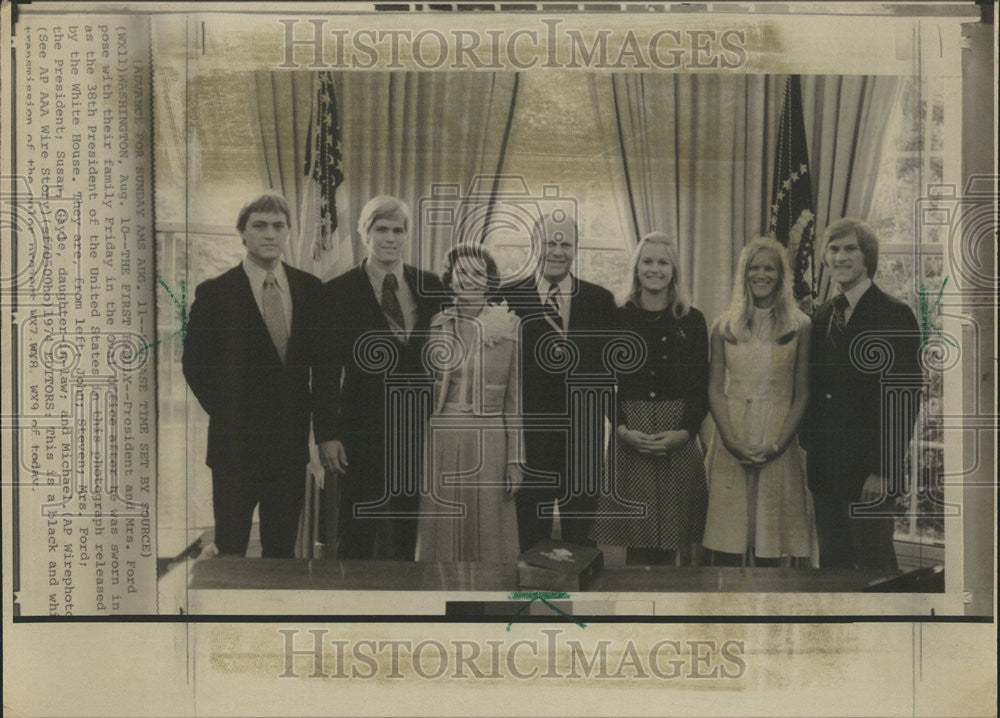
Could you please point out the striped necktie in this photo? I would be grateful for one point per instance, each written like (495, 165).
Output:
(552, 307)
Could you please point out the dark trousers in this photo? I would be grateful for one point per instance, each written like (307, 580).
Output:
(388, 531)
(377, 537)
(532, 528)
(549, 455)
(853, 542)
(279, 494)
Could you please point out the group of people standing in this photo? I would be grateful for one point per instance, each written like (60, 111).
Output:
(459, 418)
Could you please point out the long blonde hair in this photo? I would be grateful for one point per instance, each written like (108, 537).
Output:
(735, 323)
(677, 296)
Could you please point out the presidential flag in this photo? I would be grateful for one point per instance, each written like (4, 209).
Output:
(324, 162)
(792, 220)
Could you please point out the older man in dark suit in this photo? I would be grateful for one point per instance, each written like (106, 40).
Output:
(554, 304)
(856, 439)
(378, 314)
(247, 358)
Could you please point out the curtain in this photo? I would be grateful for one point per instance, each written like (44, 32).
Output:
(283, 101)
(845, 120)
(696, 154)
(280, 126)
(402, 133)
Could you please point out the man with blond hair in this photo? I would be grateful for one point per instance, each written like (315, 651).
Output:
(382, 302)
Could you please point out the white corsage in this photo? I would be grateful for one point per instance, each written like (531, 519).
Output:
(498, 323)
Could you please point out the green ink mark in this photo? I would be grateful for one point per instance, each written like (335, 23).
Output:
(926, 311)
(180, 304)
(543, 596)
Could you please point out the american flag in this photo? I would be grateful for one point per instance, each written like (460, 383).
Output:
(324, 161)
(793, 221)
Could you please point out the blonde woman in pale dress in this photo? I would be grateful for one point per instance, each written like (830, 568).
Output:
(475, 442)
(758, 505)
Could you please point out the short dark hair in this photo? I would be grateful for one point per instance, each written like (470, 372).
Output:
(475, 251)
(267, 202)
(867, 241)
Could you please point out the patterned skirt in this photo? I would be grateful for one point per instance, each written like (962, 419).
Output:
(657, 501)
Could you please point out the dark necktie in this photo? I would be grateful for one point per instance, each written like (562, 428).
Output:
(552, 306)
(390, 303)
(838, 320)
(274, 316)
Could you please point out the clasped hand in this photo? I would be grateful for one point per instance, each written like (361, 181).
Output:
(653, 444)
(756, 456)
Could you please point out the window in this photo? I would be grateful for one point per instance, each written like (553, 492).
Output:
(206, 154)
(911, 264)
(555, 142)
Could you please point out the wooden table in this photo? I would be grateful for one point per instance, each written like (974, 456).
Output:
(221, 573)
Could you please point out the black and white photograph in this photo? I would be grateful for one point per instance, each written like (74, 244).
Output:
(606, 309)
(394, 351)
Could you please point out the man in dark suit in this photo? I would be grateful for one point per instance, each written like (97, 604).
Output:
(864, 344)
(247, 357)
(378, 314)
(553, 303)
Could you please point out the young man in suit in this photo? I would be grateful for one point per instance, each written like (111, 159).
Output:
(553, 300)
(857, 444)
(392, 302)
(247, 358)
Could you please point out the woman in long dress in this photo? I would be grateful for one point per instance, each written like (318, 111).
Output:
(658, 465)
(474, 442)
(758, 390)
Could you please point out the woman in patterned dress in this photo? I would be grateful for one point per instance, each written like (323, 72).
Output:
(474, 442)
(657, 509)
(758, 389)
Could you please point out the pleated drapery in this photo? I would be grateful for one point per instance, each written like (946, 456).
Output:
(422, 137)
(404, 134)
(697, 155)
(845, 119)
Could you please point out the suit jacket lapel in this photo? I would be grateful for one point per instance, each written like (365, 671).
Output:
(298, 311)
(247, 303)
(412, 277)
(365, 292)
(861, 317)
(247, 307)
(573, 298)
(821, 322)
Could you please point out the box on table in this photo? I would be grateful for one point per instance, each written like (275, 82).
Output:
(558, 566)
